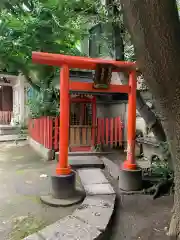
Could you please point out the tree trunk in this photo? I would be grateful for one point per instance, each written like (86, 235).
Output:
(155, 31)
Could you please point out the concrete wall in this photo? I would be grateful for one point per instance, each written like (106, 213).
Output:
(102, 110)
(111, 109)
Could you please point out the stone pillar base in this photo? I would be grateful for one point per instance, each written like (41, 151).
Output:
(130, 180)
(64, 192)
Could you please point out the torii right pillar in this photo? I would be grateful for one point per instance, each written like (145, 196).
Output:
(130, 177)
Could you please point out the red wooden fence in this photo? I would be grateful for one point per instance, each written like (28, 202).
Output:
(109, 131)
(5, 117)
(45, 130)
(41, 130)
(56, 133)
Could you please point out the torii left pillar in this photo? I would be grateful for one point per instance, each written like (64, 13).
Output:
(64, 190)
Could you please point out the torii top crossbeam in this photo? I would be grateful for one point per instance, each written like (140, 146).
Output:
(79, 62)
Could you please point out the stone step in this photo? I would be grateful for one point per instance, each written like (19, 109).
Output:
(87, 179)
(9, 130)
(85, 154)
(12, 137)
(77, 162)
(112, 167)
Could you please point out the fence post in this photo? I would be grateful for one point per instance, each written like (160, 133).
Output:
(56, 133)
(98, 131)
(94, 120)
(51, 133)
(111, 131)
(107, 131)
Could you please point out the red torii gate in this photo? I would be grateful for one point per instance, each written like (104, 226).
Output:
(66, 62)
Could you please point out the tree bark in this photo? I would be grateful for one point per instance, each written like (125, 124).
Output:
(155, 31)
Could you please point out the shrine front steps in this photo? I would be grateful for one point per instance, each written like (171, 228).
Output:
(85, 159)
(11, 133)
(9, 130)
(85, 153)
(12, 138)
(92, 219)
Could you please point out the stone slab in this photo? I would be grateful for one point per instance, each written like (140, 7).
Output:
(92, 176)
(99, 200)
(85, 162)
(99, 189)
(89, 153)
(85, 154)
(6, 138)
(9, 130)
(68, 228)
(112, 168)
(96, 211)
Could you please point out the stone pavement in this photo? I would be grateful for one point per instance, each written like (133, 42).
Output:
(11, 137)
(91, 219)
(24, 176)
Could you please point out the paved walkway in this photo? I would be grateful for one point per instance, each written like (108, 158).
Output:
(22, 180)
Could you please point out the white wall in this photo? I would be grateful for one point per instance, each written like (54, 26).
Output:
(20, 112)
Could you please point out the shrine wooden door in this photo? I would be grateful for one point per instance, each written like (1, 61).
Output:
(82, 123)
